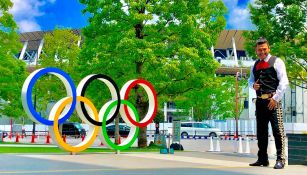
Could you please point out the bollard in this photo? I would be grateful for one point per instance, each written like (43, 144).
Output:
(240, 150)
(211, 145)
(247, 147)
(235, 145)
(217, 147)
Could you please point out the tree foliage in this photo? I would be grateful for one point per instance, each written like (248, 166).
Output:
(12, 70)
(283, 23)
(61, 50)
(166, 42)
(215, 101)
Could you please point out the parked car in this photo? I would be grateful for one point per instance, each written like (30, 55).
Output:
(123, 130)
(73, 129)
(199, 129)
(4, 133)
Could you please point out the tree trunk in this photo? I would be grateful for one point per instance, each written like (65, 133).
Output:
(116, 131)
(141, 106)
(142, 139)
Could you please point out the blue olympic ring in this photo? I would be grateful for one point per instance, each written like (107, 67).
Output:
(40, 73)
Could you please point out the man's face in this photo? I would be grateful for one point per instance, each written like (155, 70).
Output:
(262, 51)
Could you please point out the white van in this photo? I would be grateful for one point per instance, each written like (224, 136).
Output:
(199, 129)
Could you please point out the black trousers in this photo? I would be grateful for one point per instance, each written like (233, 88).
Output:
(263, 117)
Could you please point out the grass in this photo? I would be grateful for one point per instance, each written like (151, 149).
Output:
(29, 149)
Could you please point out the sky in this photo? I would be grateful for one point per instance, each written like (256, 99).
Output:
(44, 15)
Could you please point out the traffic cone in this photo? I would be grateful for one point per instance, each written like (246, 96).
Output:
(217, 147)
(10, 135)
(247, 149)
(240, 150)
(82, 137)
(33, 138)
(226, 136)
(48, 138)
(17, 138)
(211, 145)
(64, 138)
(119, 141)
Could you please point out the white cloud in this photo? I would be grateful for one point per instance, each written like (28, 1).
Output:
(239, 18)
(25, 12)
(28, 26)
(230, 4)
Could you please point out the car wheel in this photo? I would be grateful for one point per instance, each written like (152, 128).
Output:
(212, 134)
(184, 134)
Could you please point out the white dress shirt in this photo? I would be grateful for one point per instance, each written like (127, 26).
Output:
(280, 69)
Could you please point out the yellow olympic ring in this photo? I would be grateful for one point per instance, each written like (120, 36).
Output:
(93, 130)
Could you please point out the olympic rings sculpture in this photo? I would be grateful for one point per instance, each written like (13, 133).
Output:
(88, 113)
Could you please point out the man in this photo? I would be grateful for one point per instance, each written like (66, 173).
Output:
(269, 78)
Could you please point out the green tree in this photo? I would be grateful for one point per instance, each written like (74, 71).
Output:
(215, 101)
(12, 71)
(61, 51)
(166, 42)
(283, 23)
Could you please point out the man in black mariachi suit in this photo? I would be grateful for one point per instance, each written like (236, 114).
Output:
(269, 78)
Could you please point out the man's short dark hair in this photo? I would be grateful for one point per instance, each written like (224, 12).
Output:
(261, 40)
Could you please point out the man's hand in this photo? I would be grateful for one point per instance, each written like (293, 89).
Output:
(272, 104)
(256, 85)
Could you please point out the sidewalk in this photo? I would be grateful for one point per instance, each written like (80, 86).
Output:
(138, 163)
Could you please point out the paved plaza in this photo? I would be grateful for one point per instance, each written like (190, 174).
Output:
(195, 159)
(187, 162)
